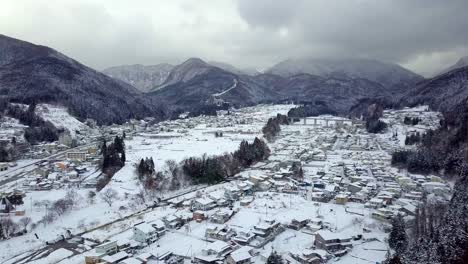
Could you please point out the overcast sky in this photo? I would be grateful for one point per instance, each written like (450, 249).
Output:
(422, 35)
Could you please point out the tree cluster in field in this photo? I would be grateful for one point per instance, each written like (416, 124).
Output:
(297, 171)
(10, 228)
(201, 170)
(375, 125)
(413, 139)
(38, 129)
(372, 117)
(208, 110)
(411, 120)
(273, 126)
(275, 258)
(113, 159)
(418, 161)
(311, 109)
(8, 151)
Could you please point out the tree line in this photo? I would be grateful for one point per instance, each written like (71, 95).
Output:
(201, 170)
(273, 126)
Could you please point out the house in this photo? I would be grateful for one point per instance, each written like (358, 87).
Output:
(329, 241)
(374, 203)
(131, 261)
(266, 228)
(243, 237)
(214, 252)
(199, 216)
(221, 216)
(203, 204)
(144, 233)
(242, 255)
(309, 256)
(172, 221)
(231, 193)
(219, 233)
(299, 222)
(160, 227)
(116, 258)
(246, 201)
(341, 199)
(104, 249)
(315, 224)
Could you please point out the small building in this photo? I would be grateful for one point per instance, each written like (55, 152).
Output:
(341, 199)
(144, 233)
(242, 255)
(203, 204)
(104, 249)
(298, 223)
(219, 233)
(160, 227)
(329, 241)
(77, 155)
(199, 216)
(215, 252)
(221, 216)
(266, 228)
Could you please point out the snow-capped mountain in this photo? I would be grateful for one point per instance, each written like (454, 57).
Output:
(386, 74)
(142, 77)
(185, 71)
(33, 73)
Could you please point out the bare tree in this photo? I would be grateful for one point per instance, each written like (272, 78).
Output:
(73, 196)
(109, 195)
(9, 227)
(62, 206)
(25, 221)
(91, 197)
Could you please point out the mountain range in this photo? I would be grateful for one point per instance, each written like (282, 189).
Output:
(34, 73)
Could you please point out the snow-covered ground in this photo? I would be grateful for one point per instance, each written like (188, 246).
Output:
(338, 146)
(196, 142)
(59, 117)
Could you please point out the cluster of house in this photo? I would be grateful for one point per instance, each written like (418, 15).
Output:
(55, 174)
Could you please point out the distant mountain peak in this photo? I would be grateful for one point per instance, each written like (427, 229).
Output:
(142, 77)
(387, 74)
(462, 62)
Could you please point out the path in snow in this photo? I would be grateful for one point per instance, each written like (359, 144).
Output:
(234, 85)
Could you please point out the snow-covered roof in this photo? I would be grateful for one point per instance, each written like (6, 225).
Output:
(145, 228)
(218, 246)
(204, 201)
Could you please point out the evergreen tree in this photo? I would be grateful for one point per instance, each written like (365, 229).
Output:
(122, 157)
(398, 240)
(275, 258)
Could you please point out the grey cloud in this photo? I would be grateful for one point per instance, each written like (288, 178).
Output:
(424, 35)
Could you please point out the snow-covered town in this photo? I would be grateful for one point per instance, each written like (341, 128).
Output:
(325, 194)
